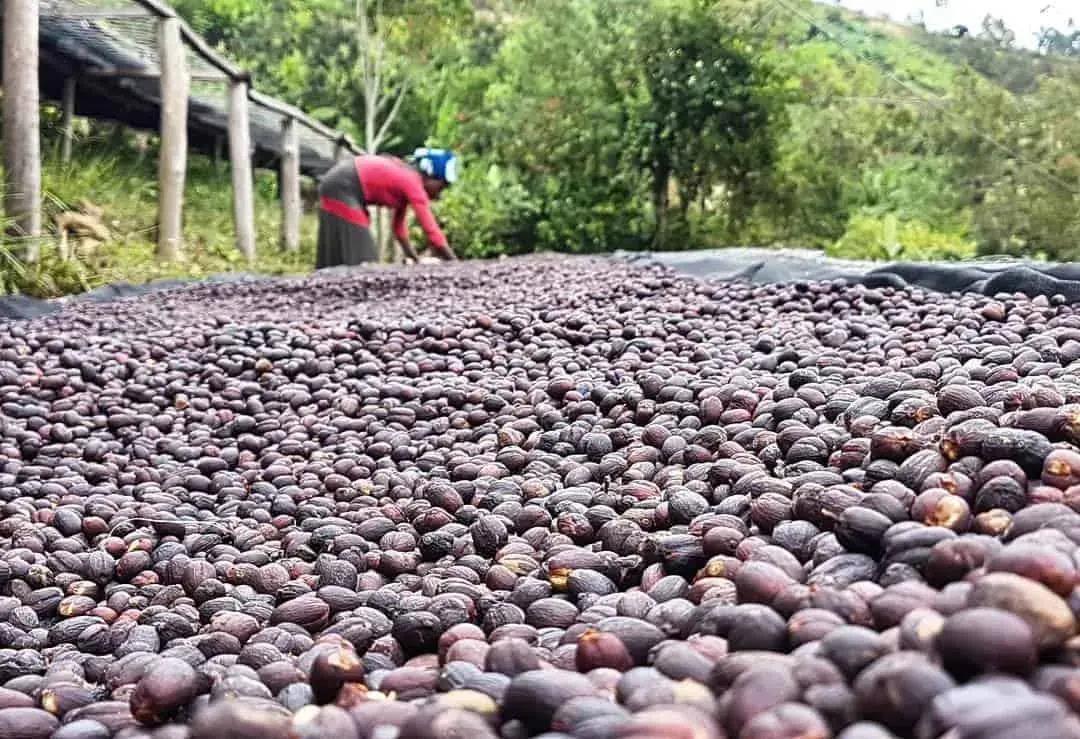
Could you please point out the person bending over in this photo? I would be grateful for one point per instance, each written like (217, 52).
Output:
(347, 190)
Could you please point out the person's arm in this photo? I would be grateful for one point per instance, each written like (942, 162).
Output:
(422, 207)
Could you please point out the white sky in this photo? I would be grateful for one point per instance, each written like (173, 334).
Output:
(1023, 17)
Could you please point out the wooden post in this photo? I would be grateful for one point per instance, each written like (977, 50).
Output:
(172, 160)
(240, 159)
(22, 135)
(67, 122)
(290, 185)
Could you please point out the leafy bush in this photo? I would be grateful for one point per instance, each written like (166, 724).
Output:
(887, 238)
(489, 213)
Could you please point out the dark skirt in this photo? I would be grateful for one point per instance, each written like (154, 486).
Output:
(342, 242)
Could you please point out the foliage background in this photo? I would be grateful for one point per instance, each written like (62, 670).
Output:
(592, 125)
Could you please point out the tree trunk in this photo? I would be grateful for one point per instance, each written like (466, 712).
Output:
(687, 196)
(384, 238)
(661, 183)
(371, 61)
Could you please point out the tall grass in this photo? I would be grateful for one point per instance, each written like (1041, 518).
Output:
(115, 173)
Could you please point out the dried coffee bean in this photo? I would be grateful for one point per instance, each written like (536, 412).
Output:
(534, 697)
(1049, 617)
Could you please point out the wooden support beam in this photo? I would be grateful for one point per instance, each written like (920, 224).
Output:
(67, 120)
(160, 9)
(104, 14)
(290, 185)
(150, 73)
(276, 106)
(172, 162)
(21, 132)
(240, 159)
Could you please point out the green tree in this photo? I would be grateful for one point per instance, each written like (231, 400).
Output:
(565, 93)
(709, 125)
(1022, 159)
(1053, 41)
(995, 31)
(314, 53)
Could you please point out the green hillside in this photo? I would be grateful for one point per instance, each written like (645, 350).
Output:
(961, 141)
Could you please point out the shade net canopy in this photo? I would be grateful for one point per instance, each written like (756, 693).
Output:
(110, 47)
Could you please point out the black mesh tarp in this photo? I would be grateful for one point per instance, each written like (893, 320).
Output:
(987, 276)
(21, 307)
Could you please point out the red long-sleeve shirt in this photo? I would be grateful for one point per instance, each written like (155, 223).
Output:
(392, 184)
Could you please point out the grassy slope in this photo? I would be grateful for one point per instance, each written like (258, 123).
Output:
(888, 47)
(931, 59)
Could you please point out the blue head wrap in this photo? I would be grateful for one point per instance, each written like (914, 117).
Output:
(438, 163)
